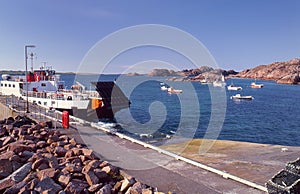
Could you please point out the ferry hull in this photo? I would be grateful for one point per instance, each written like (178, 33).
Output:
(112, 100)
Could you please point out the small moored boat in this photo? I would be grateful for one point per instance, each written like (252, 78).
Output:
(255, 85)
(163, 87)
(232, 87)
(169, 89)
(174, 91)
(240, 97)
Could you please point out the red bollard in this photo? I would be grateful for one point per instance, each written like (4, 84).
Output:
(65, 120)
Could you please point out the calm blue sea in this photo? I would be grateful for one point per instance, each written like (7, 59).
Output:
(271, 118)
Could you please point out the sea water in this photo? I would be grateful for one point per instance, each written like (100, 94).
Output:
(272, 117)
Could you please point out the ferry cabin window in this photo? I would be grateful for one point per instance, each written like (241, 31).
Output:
(9, 85)
(1, 85)
(21, 85)
(14, 86)
(5, 85)
(43, 85)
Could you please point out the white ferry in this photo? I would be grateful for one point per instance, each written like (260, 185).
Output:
(44, 88)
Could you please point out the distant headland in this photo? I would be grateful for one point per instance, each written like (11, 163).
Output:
(286, 72)
(281, 72)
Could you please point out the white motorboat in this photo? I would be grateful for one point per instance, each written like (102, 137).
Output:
(232, 87)
(171, 90)
(255, 85)
(240, 97)
(163, 87)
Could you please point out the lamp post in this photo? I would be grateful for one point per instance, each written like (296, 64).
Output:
(26, 78)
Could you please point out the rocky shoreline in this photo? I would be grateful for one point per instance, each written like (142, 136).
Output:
(37, 159)
(202, 74)
(281, 72)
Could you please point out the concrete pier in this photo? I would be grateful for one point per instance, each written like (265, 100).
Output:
(154, 168)
(213, 173)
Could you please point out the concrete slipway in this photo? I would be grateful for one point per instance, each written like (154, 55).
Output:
(170, 172)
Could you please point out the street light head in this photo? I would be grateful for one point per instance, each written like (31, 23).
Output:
(30, 46)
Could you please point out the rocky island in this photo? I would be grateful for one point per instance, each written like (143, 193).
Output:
(202, 74)
(281, 72)
(164, 72)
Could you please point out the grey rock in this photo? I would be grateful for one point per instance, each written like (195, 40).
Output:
(64, 179)
(48, 172)
(91, 178)
(137, 188)
(7, 140)
(6, 155)
(47, 185)
(76, 187)
(106, 189)
(60, 151)
(126, 183)
(102, 176)
(16, 176)
(15, 188)
(6, 166)
(95, 187)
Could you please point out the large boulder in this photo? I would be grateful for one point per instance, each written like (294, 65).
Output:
(16, 176)
(18, 147)
(5, 166)
(76, 186)
(47, 185)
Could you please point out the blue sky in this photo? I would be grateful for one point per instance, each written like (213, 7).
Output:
(239, 34)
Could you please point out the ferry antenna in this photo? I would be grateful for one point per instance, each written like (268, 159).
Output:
(32, 55)
(44, 64)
